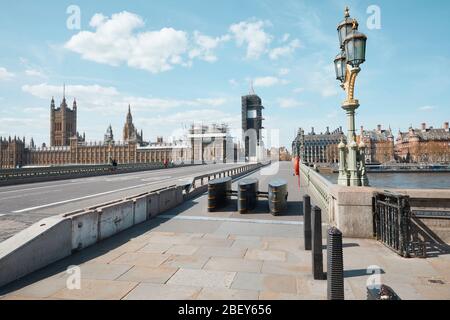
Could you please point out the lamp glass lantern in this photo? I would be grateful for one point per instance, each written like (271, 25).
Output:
(339, 65)
(355, 48)
(345, 28)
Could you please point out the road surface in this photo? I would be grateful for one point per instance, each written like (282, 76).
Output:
(23, 205)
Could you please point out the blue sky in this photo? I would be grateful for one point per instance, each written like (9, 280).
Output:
(177, 62)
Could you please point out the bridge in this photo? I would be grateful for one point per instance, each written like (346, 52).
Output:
(146, 236)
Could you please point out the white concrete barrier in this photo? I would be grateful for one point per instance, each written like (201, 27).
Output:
(153, 204)
(140, 209)
(84, 229)
(115, 218)
(41, 244)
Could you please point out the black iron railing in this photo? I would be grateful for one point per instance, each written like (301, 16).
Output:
(392, 222)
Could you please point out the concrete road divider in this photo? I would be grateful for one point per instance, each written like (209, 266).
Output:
(84, 229)
(41, 244)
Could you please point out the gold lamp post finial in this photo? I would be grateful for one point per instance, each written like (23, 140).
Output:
(355, 25)
(347, 12)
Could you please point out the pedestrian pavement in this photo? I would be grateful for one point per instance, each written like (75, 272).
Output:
(189, 253)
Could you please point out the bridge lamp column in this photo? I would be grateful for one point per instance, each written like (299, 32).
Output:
(353, 52)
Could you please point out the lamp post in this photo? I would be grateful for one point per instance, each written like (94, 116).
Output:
(352, 171)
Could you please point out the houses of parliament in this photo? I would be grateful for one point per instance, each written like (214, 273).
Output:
(68, 146)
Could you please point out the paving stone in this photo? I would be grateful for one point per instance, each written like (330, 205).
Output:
(434, 291)
(97, 290)
(185, 250)
(172, 239)
(151, 291)
(215, 236)
(131, 246)
(314, 288)
(226, 252)
(275, 267)
(233, 264)
(102, 271)
(192, 262)
(202, 278)
(265, 282)
(227, 294)
(41, 289)
(141, 259)
(148, 274)
(106, 257)
(270, 255)
(249, 244)
(155, 248)
(211, 242)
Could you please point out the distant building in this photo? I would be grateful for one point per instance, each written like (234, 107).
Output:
(109, 136)
(12, 152)
(424, 145)
(251, 126)
(379, 145)
(63, 122)
(130, 133)
(318, 148)
(280, 154)
(211, 143)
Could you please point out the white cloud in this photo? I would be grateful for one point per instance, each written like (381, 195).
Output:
(108, 100)
(5, 74)
(116, 41)
(233, 82)
(322, 80)
(268, 81)
(35, 73)
(205, 46)
(298, 90)
(289, 103)
(427, 108)
(287, 50)
(252, 34)
(283, 71)
(286, 37)
(191, 116)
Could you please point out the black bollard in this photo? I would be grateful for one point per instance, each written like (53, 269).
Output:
(247, 195)
(317, 257)
(278, 195)
(335, 265)
(218, 193)
(307, 221)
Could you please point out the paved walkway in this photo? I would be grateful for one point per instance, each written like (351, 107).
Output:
(188, 253)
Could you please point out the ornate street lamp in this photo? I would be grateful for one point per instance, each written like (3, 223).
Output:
(340, 64)
(345, 27)
(353, 53)
(355, 47)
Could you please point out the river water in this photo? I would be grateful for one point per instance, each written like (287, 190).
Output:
(404, 180)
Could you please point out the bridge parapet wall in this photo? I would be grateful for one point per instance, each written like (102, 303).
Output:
(350, 209)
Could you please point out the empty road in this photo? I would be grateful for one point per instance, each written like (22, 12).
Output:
(23, 205)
